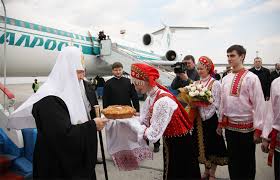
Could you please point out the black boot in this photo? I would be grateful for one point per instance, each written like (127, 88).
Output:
(156, 146)
(156, 149)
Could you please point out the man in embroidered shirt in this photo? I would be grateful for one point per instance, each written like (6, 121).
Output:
(272, 129)
(241, 113)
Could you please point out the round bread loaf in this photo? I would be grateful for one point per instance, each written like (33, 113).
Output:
(118, 112)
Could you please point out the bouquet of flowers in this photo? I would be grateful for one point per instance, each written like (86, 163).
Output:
(196, 95)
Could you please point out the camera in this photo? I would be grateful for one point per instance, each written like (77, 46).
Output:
(179, 67)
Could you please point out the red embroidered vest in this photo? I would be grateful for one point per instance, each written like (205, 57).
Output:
(178, 125)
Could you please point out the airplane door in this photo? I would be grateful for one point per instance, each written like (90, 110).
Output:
(106, 47)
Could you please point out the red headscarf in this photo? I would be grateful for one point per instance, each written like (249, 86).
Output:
(207, 62)
(143, 72)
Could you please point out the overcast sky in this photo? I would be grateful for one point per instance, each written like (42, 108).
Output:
(252, 23)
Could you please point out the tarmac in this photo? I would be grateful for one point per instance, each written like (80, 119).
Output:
(150, 169)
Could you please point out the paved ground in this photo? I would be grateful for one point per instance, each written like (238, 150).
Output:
(150, 170)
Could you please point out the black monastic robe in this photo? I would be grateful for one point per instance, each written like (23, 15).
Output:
(63, 150)
(120, 92)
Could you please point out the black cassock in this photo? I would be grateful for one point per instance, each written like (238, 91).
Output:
(63, 150)
(120, 92)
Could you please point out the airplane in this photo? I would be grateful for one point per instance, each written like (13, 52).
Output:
(30, 43)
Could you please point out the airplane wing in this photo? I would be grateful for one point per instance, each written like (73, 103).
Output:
(183, 28)
(175, 28)
(158, 31)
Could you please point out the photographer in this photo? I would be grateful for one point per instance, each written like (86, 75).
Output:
(185, 72)
(101, 36)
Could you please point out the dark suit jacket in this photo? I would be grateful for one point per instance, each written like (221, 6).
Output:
(91, 96)
(274, 75)
(264, 76)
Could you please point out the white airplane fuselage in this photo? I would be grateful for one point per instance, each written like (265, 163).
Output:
(32, 49)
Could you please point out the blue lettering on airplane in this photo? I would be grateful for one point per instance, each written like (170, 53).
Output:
(48, 44)
(37, 41)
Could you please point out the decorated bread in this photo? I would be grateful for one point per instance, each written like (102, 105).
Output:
(118, 112)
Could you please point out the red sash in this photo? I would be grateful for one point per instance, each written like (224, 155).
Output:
(273, 144)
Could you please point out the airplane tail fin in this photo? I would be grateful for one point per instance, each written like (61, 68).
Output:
(167, 32)
(180, 28)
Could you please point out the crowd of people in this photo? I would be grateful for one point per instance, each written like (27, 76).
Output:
(63, 111)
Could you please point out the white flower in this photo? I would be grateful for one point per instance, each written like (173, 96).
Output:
(202, 93)
(191, 94)
(199, 86)
(211, 100)
(188, 87)
(204, 89)
(196, 93)
(209, 93)
(193, 89)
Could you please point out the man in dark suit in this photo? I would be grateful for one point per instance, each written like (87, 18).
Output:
(264, 76)
(276, 73)
(91, 96)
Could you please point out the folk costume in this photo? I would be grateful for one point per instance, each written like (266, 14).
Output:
(241, 114)
(211, 146)
(163, 116)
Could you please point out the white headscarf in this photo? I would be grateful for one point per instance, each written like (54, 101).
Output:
(63, 83)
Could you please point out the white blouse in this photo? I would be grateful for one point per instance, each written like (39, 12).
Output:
(155, 124)
(207, 112)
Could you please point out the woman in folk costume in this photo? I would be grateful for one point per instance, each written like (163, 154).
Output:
(163, 115)
(211, 146)
(66, 144)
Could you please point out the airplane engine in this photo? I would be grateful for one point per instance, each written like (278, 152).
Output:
(148, 39)
(170, 55)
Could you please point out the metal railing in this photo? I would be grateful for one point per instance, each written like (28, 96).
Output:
(4, 59)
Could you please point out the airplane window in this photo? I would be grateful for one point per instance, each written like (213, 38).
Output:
(32, 26)
(21, 23)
